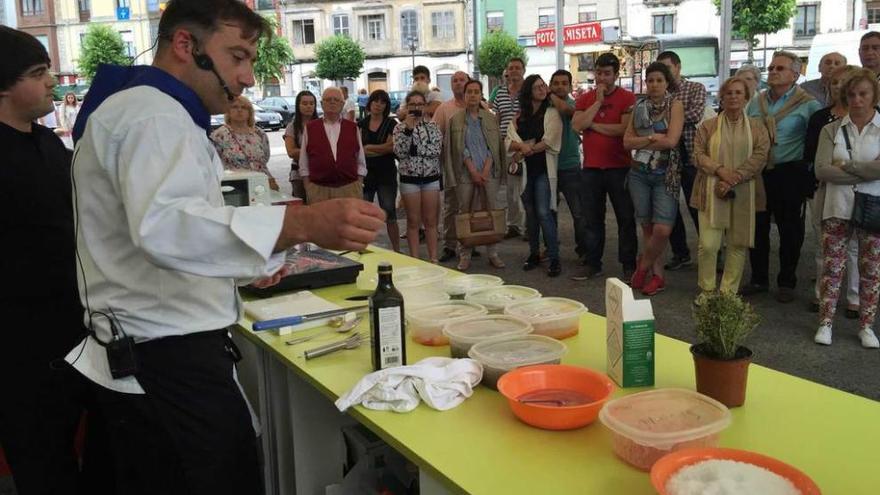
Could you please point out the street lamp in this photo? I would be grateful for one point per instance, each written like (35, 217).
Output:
(413, 43)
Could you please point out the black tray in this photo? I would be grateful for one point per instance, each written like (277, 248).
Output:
(312, 268)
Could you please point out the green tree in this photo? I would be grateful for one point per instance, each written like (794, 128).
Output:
(339, 57)
(101, 45)
(754, 17)
(273, 53)
(495, 50)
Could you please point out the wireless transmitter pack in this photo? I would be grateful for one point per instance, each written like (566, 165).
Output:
(121, 357)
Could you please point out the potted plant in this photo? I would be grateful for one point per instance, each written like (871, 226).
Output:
(721, 362)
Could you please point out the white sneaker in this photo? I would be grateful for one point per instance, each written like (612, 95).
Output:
(869, 340)
(823, 336)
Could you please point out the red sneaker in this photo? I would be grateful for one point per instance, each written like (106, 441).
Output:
(638, 279)
(655, 285)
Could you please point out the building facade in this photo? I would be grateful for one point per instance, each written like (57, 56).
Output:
(37, 17)
(699, 17)
(136, 21)
(395, 34)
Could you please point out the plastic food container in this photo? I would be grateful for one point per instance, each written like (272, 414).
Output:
(421, 296)
(648, 425)
(407, 277)
(426, 323)
(457, 287)
(496, 298)
(555, 317)
(498, 356)
(464, 334)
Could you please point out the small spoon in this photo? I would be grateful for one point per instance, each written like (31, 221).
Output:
(342, 326)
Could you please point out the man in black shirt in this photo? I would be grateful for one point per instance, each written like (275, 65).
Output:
(42, 398)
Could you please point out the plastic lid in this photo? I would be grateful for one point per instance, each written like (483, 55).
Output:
(510, 353)
(444, 312)
(411, 276)
(664, 417)
(468, 283)
(418, 296)
(545, 308)
(480, 328)
(502, 295)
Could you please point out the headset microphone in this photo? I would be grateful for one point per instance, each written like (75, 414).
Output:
(204, 62)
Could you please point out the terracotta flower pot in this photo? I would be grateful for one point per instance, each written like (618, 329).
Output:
(723, 380)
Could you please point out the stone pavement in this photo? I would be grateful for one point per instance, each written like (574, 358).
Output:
(783, 341)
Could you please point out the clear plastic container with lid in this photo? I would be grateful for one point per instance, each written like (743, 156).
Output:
(498, 356)
(464, 334)
(457, 287)
(426, 323)
(496, 298)
(422, 296)
(648, 425)
(555, 317)
(408, 277)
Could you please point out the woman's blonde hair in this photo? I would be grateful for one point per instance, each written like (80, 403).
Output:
(248, 106)
(734, 80)
(855, 77)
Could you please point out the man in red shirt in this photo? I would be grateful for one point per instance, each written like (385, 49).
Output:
(602, 116)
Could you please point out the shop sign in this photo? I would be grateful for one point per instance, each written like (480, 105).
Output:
(575, 34)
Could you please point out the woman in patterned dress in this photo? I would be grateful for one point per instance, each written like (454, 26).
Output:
(240, 143)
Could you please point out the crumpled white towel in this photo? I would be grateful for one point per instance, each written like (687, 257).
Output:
(442, 383)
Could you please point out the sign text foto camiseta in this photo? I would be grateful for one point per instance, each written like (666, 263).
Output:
(575, 34)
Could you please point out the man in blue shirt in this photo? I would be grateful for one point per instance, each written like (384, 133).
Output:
(786, 110)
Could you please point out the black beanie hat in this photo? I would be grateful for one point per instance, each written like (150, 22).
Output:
(21, 51)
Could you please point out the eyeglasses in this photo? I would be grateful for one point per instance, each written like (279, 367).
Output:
(778, 68)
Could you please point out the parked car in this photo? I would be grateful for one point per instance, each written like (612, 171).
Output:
(286, 106)
(268, 121)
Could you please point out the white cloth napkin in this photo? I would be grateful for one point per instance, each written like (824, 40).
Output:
(442, 383)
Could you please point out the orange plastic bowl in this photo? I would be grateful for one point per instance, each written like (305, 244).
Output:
(520, 381)
(673, 462)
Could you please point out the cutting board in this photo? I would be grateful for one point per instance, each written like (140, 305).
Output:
(298, 303)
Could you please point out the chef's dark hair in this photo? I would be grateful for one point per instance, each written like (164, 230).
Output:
(207, 16)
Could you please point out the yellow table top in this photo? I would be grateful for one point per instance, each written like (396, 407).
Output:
(481, 448)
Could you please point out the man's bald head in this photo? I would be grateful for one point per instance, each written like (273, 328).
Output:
(459, 79)
(332, 101)
(829, 62)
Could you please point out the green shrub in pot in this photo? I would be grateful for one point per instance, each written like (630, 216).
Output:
(724, 321)
(721, 362)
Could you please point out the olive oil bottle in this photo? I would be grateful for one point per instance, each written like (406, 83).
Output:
(386, 322)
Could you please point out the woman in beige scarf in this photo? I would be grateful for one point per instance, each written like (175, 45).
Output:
(730, 151)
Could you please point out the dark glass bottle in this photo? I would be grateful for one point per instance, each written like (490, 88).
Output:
(386, 322)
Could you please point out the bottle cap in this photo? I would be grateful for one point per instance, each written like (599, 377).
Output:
(384, 266)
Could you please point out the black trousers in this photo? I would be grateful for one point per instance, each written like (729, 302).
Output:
(41, 409)
(678, 238)
(785, 188)
(191, 433)
(598, 183)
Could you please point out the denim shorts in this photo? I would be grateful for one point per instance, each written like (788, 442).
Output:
(415, 188)
(651, 201)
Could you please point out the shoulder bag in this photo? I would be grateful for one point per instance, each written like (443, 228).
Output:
(866, 207)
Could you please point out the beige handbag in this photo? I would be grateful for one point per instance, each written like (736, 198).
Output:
(480, 227)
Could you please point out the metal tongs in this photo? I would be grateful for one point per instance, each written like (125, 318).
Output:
(352, 342)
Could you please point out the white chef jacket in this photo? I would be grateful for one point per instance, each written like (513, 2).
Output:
(156, 242)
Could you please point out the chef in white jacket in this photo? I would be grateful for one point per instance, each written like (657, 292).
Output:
(161, 255)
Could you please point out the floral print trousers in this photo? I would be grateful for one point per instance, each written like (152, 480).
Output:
(835, 235)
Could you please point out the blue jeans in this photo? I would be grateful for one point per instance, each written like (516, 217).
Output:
(536, 200)
(570, 185)
(650, 199)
